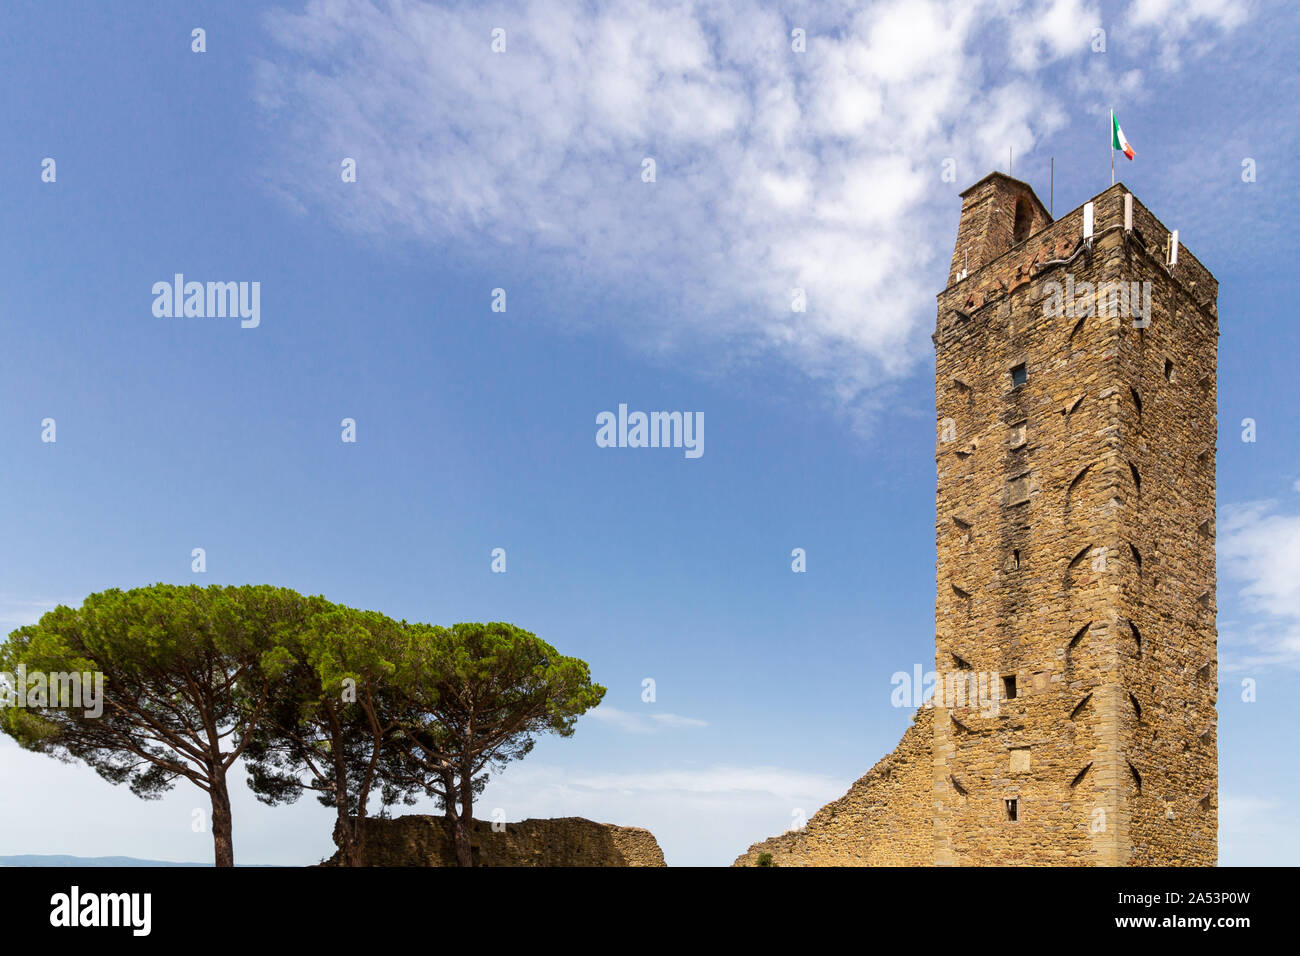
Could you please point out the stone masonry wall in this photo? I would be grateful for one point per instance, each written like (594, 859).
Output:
(884, 819)
(1168, 664)
(1075, 561)
(417, 840)
(1023, 478)
(1075, 480)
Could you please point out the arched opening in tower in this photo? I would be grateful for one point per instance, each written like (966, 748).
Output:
(1024, 219)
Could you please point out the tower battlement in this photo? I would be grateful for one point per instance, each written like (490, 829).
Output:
(986, 262)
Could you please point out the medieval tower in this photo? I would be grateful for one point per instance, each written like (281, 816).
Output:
(1075, 374)
(1074, 722)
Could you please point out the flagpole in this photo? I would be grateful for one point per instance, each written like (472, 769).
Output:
(1112, 147)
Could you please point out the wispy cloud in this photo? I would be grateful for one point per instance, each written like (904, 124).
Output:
(1175, 25)
(701, 816)
(776, 170)
(18, 612)
(643, 723)
(1051, 30)
(1256, 830)
(1259, 549)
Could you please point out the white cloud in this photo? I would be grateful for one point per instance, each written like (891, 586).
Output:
(1177, 18)
(1259, 547)
(19, 612)
(700, 816)
(1098, 83)
(1047, 32)
(1178, 23)
(1256, 830)
(776, 170)
(644, 723)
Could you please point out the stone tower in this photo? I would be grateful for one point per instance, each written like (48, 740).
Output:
(1074, 722)
(1075, 618)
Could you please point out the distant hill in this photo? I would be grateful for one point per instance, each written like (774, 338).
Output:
(33, 859)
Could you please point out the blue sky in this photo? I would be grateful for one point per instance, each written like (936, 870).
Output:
(522, 170)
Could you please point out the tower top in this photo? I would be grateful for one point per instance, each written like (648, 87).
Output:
(997, 214)
(1006, 237)
(1008, 182)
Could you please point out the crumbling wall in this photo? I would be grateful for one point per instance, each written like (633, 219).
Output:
(886, 818)
(416, 840)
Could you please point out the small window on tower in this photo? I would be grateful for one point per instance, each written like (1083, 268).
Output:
(1019, 375)
(1013, 808)
(1009, 686)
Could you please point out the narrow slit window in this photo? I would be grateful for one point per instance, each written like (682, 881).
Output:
(1013, 809)
(1079, 706)
(1078, 636)
(1074, 335)
(1019, 375)
(1009, 686)
(1075, 483)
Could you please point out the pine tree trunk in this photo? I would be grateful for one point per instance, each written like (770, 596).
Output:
(449, 793)
(222, 833)
(465, 821)
(348, 830)
(349, 834)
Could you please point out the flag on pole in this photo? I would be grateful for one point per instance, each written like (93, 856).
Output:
(1117, 138)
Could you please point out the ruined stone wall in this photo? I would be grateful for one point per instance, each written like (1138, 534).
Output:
(884, 819)
(416, 840)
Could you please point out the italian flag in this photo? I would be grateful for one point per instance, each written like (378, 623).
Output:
(1117, 139)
